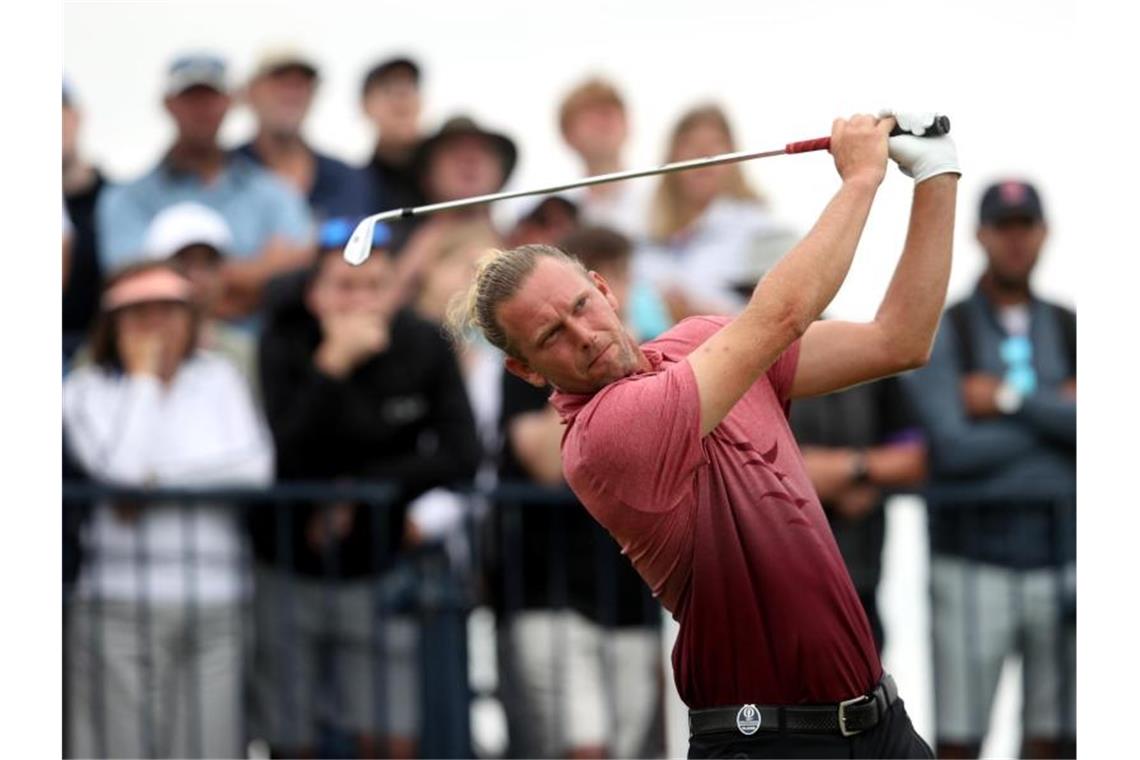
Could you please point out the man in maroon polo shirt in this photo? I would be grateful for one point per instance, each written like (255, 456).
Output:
(681, 448)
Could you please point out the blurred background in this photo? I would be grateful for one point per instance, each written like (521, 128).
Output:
(338, 618)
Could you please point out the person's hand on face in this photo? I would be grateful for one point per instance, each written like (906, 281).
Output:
(354, 307)
(356, 335)
(351, 338)
(140, 349)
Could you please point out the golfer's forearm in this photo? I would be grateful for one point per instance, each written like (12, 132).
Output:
(803, 283)
(913, 303)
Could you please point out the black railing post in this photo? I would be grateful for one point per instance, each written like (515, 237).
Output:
(1066, 620)
(145, 635)
(285, 707)
(243, 571)
(561, 616)
(97, 694)
(605, 578)
(191, 642)
(378, 512)
(446, 691)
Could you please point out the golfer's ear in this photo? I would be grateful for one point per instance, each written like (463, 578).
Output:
(519, 368)
(604, 288)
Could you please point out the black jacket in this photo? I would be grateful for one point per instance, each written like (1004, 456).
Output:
(401, 416)
(85, 280)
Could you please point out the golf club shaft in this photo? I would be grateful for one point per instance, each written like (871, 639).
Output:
(359, 245)
(696, 163)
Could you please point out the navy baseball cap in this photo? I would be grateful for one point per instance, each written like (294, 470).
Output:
(334, 233)
(1010, 199)
(194, 70)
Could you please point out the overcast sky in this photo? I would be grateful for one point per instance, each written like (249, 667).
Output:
(782, 74)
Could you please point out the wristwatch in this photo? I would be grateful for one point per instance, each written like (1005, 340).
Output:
(860, 473)
(1008, 399)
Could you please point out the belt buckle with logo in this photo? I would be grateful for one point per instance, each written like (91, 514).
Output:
(748, 720)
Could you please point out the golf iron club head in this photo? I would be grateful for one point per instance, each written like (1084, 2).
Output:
(359, 246)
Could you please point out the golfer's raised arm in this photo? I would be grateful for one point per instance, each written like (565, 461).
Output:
(794, 293)
(835, 354)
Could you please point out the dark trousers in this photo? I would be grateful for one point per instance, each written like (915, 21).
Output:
(893, 736)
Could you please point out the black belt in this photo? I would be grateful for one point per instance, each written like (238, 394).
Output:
(849, 717)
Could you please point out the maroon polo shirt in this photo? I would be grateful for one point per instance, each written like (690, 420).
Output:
(726, 529)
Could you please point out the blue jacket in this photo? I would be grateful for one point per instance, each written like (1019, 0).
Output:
(1032, 451)
(338, 189)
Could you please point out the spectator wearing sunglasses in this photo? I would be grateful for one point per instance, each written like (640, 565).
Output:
(998, 401)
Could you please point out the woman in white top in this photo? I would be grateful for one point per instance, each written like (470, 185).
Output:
(709, 231)
(154, 645)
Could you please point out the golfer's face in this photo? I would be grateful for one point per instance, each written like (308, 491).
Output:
(567, 328)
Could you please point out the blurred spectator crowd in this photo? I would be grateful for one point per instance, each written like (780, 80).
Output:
(214, 337)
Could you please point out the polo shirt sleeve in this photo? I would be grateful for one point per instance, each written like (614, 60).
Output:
(782, 373)
(638, 443)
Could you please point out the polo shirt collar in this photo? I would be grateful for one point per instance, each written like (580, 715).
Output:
(569, 404)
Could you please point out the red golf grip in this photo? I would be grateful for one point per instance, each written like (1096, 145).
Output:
(940, 126)
(803, 146)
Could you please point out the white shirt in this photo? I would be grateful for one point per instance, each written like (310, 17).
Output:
(732, 243)
(201, 431)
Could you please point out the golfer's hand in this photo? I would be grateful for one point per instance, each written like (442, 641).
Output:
(859, 148)
(921, 157)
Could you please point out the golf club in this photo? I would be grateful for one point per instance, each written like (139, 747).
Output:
(359, 246)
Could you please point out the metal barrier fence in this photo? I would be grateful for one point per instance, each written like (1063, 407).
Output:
(414, 604)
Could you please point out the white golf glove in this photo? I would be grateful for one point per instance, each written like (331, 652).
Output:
(920, 157)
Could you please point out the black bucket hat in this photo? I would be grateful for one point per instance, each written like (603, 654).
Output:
(458, 126)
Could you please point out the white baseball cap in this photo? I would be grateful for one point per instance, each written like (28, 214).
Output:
(185, 224)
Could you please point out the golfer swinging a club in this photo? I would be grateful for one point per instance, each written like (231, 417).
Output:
(681, 449)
